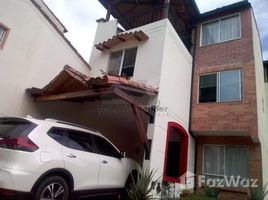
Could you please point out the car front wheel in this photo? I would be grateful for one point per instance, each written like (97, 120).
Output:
(52, 188)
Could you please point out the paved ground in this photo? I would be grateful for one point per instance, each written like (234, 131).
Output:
(102, 198)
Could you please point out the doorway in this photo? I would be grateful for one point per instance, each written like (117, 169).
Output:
(176, 153)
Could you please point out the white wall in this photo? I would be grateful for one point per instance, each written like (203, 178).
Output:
(34, 54)
(163, 62)
(149, 55)
(174, 95)
(50, 15)
(262, 103)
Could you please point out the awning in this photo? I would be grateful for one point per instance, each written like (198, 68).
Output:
(120, 38)
(71, 85)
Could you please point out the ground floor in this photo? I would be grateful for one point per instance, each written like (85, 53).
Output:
(236, 162)
(151, 129)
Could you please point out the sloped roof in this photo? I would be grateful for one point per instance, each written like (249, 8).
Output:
(70, 81)
(120, 38)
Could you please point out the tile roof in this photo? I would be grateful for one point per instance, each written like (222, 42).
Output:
(71, 80)
(120, 38)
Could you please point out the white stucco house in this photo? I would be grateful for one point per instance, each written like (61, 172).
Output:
(33, 50)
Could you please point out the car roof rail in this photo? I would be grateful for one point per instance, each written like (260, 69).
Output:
(71, 124)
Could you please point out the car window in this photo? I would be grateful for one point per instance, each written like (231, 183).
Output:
(72, 139)
(13, 128)
(59, 135)
(80, 141)
(104, 147)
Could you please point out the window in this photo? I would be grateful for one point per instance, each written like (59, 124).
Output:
(3, 34)
(72, 139)
(220, 30)
(220, 87)
(225, 161)
(122, 63)
(105, 148)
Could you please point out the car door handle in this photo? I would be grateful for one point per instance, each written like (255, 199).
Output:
(71, 156)
(104, 162)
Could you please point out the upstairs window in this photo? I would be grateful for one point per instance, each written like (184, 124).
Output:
(220, 87)
(3, 35)
(221, 30)
(122, 63)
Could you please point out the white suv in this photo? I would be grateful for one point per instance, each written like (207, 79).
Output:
(49, 159)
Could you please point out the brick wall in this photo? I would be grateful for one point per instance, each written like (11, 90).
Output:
(235, 54)
(254, 158)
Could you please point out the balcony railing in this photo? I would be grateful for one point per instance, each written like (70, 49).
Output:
(156, 14)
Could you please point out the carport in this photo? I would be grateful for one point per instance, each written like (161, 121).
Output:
(120, 108)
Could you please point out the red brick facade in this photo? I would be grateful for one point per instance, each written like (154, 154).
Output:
(228, 118)
(235, 54)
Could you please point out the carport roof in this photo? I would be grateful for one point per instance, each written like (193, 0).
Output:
(71, 85)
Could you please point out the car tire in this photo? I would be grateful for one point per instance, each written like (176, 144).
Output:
(52, 187)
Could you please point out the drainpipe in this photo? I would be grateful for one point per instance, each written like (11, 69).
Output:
(190, 115)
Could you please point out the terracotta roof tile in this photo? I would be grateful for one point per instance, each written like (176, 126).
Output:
(122, 37)
(71, 80)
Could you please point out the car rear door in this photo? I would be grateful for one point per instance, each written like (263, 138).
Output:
(113, 171)
(79, 157)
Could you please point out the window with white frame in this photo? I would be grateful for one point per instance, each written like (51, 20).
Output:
(221, 86)
(220, 160)
(3, 34)
(221, 30)
(122, 63)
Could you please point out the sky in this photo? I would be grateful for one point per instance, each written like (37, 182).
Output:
(79, 17)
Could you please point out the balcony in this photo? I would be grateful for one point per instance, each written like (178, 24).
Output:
(155, 14)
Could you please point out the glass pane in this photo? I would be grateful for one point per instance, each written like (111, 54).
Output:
(230, 89)
(214, 160)
(236, 161)
(14, 128)
(2, 32)
(59, 135)
(210, 33)
(104, 147)
(80, 141)
(230, 28)
(129, 62)
(208, 88)
(115, 62)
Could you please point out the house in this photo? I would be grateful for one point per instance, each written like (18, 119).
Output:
(180, 92)
(33, 49)
(217, 57)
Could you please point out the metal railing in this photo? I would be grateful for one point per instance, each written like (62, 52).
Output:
(155, 14)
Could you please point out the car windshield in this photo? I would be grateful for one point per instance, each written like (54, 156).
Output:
(12, 128)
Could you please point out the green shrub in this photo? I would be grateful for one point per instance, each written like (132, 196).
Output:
(257, 193)
(142, 188)
(212, 192)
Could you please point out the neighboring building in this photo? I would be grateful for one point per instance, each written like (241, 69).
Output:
(181, 92)
(33, 49)
(228, 111)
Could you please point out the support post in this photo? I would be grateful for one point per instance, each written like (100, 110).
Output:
(108, 14)
(166, 9)
(141, 129)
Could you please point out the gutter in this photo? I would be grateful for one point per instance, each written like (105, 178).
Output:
(191, 100)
